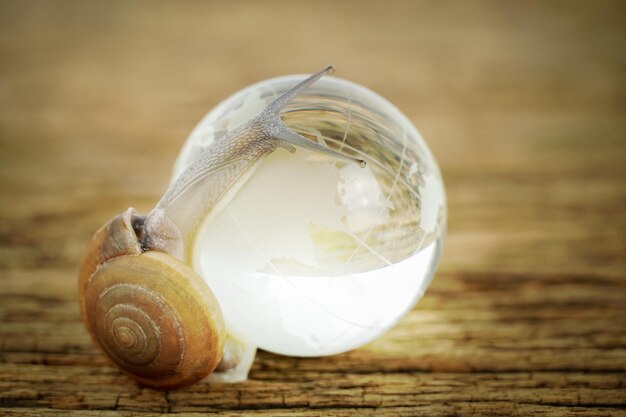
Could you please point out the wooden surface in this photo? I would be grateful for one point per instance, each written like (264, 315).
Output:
(521, 102)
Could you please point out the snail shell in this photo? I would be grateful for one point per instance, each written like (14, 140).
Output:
(150, 313)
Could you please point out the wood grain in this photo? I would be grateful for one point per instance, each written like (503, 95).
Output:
(522, 104)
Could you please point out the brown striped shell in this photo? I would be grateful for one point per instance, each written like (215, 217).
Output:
(149, 312)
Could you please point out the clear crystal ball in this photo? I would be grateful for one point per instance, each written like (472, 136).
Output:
(314, 256)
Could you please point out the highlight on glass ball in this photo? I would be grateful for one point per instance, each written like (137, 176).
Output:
(305, 217)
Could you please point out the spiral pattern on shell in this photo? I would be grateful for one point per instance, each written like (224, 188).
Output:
(150, 313)
(130, 323)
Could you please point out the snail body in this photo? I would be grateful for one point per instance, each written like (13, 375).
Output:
(140, 300)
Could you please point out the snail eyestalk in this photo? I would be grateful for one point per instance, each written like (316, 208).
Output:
(285, 98)
(289, 137)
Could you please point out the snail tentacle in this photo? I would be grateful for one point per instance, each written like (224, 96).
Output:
(288, 138)
(277, 105)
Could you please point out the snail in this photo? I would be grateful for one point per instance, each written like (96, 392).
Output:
(309, 253)
(148, 310)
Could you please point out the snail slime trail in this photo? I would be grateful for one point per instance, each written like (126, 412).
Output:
(314, 256)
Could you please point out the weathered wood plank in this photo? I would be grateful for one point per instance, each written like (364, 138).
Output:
(55, 387)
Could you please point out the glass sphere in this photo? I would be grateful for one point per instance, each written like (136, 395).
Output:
(314, 256)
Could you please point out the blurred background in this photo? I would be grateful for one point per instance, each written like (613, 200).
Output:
(522, 104)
